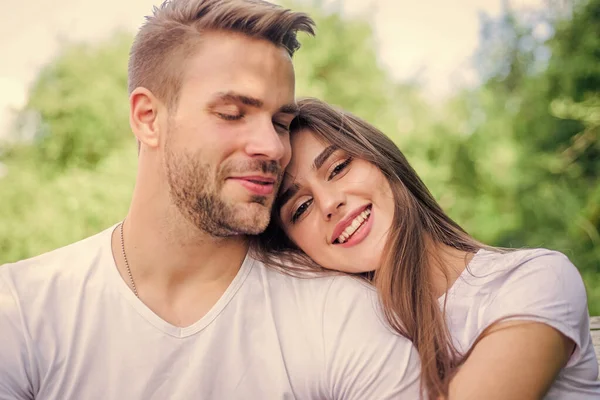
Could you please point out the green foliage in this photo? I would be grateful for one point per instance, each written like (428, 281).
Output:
(544, 124)
(82, 100)
(340, 66)
(41, 214)
(557, 128)
(76, 177)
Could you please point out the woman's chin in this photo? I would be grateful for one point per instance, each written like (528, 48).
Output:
(356, 268)
(346, 265)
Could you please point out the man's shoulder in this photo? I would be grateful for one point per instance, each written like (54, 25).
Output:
(333, 284)
(361, 356)
(319, 292)
(65, 262)
(336, 302)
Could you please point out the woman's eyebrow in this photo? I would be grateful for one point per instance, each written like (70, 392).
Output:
(287, 194)
(323, 156)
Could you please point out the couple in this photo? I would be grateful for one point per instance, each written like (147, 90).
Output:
(221, 283)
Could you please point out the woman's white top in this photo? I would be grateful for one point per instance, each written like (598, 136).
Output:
(535, 285)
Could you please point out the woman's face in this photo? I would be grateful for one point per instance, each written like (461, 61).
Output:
(338, 210)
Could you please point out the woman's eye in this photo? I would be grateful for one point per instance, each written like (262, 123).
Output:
(340, 167)
(300, 210)
(230, 117)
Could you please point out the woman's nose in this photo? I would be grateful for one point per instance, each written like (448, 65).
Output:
(332, 201)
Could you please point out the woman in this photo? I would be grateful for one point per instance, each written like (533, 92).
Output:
(487, 323)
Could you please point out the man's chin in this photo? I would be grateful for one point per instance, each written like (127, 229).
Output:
(253, 204)
(253, 218)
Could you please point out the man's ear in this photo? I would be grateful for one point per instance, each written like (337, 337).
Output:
(144, 110)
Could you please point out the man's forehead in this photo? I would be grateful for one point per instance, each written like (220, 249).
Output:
(245, 52)
(235, 62)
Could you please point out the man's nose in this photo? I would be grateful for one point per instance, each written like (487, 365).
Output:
(266, 142)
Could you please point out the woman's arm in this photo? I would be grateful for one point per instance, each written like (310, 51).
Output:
(512, 360)
(535, 323)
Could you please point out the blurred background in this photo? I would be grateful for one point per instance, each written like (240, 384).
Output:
(495, 103)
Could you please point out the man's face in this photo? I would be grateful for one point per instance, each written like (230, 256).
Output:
(228, 141)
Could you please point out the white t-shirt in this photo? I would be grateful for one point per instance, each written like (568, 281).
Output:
(70, 328)
(537, 285)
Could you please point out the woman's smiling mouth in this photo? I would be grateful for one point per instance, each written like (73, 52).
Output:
(353, 226)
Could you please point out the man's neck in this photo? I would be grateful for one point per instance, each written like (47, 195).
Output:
(179, 271)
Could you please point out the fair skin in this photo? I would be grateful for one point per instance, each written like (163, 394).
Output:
(325, 190)
(332, 188)
(213, 144)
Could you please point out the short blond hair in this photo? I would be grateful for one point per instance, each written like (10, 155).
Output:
(169, 35)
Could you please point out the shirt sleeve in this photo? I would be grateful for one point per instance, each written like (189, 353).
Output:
(14, 354)
(545, 288)
(364, 358)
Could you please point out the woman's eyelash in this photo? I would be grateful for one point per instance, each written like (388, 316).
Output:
(300, 210)
(340, 167)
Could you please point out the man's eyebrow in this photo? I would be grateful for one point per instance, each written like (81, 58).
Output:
(233, 97)
(325, 154)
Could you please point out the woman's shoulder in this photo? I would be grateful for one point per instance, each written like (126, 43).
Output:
(516, 257)
(528, 285)
(519, 280)
(526, 275)
(542, 265)
(538, 284)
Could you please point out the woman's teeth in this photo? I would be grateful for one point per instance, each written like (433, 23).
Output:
(356, 223)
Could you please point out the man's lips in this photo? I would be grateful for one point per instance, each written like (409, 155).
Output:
(257, 184)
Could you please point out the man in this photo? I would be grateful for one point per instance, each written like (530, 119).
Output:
(169, 305)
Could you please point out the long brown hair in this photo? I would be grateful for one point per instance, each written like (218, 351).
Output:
(403, 279)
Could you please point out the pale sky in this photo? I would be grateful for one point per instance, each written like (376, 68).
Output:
(434, 38)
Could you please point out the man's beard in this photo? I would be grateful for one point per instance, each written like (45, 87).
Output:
(195, 191)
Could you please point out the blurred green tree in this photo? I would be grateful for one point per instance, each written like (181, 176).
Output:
(82, 99)
(540, 104)
(340, 65)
